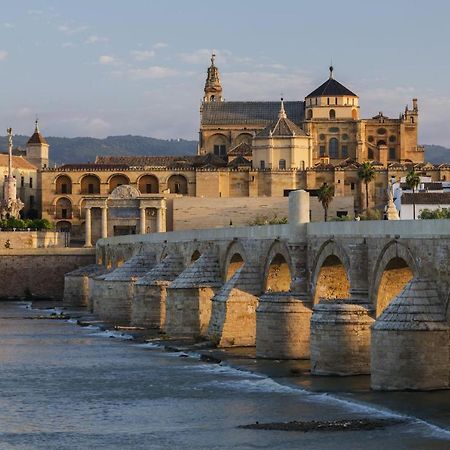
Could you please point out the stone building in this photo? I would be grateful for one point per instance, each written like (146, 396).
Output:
(251, 150)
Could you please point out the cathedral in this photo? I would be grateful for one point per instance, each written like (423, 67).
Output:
(324, 128)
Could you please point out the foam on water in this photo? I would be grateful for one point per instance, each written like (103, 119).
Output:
(150, 345)
(113, 334)
(75, 321)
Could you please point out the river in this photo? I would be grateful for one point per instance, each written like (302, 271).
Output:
(69, 387)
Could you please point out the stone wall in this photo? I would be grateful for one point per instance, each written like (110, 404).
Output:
(197, 213)
(39, 271)
(32, 239)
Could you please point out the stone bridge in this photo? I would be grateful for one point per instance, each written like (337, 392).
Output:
(354, 297)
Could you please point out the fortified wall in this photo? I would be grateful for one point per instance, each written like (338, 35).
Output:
(354, 297)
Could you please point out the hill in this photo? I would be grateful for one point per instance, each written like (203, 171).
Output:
(85, 149)
(437, 154)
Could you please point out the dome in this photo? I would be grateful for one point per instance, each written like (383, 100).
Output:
(331, 88)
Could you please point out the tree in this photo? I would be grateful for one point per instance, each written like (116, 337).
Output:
(412, 181)
(325, 195)
(366, 173)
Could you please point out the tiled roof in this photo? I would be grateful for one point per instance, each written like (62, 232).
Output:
(331, 87)
(239, 161)
(282, 127)
(18, 162)
(37, 138)
(248, 113)
(155, 161)
(426, 198)
(243, 149)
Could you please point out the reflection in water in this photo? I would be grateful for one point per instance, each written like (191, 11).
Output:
(65, 387)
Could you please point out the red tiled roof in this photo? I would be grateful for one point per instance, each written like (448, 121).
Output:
(426, 198)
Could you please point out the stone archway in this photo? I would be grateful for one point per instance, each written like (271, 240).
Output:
(395, 267)
(277, 275)
(331, 273)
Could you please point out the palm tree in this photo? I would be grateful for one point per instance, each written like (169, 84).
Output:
(366, 173)
(325, 195)
(412, 181)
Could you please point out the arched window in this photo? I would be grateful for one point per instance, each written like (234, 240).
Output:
(370, 153)
(63, 185)
(332, 114)
(177, 184)
(282, 164)
(333, 148)
(354, 114)
(148, 184)
(63, 208)
(310, 114)
(117, 180)
(90, 184)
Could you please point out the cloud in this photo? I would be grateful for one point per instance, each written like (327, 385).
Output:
(202, 56)
(107, 60)
(94, 39)
(68, 29)
(3, 55)
(160, 45)
(8, 25)
(143, 55)
(152, 72)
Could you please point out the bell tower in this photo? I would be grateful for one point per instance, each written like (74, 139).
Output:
(37, 149)
(213, 88)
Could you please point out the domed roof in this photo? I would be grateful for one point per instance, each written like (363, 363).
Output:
(331, 88)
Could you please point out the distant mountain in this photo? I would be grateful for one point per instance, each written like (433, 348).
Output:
(85, 149)
(437, 154)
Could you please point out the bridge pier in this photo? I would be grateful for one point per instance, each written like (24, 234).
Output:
(282, 326)
(76, 284)
(114, 293)
(188, 302)
(410, 341)
(340, 338)
(148, 307)
(233, 317)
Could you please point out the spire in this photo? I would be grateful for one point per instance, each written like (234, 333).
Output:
(282, 113)
(36, 126)
(10, 146)
(213, 88)
(331, 71)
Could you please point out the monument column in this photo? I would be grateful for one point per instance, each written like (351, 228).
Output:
(161, 219)
(104, 222)
(142, 220)
(88, 232)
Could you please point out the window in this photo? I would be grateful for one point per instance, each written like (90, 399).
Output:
(392, 153)
(213, 98)
(31, 182)
(148, 188)
(332, 114)
(335, 100)
(352, 186)
(220, 149)
(262, 164)
(392, 138)
(381, 131)
(177, 188)
(31, 201)
(282, 164)
(316, 100)
(322, 150)
(64, 189)
(328, 100)
(333, 148)
(64, 213)
(370, 153)
(344, 151)
(310, 114)
(90, 188)
(22, 181)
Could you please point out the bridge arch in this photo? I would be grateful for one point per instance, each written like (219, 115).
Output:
(330, 275)
(394, 268)
(235, 257)
(278, 269)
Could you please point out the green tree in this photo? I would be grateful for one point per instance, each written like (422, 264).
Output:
(325, 195)
(366, 173)
(412, 181)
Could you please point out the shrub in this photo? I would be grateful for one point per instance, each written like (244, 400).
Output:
(440, 213)
(266, 220)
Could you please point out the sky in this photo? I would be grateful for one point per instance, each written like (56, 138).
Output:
(110, 67)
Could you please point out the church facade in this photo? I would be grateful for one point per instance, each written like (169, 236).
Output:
(328, 119)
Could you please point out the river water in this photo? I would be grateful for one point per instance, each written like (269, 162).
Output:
(67, 387)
